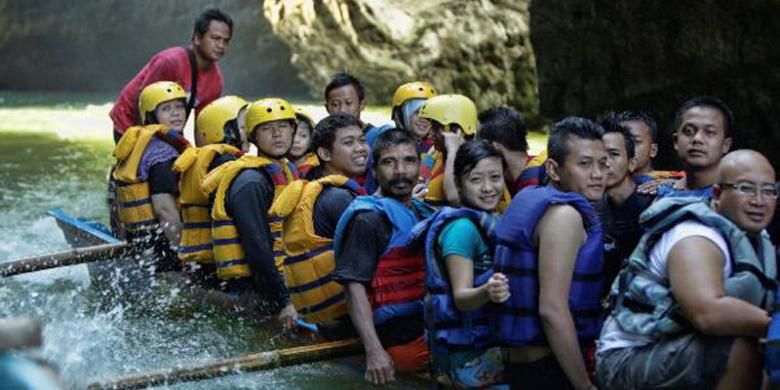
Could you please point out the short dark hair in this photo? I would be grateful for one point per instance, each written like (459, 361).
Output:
(505, 126)
(641, 116)
(706, 101)
(324, 133)
(557, 144)
(386, 139)
(305, 119)
(232, 134)
(343, 78)
(612, 124)
(470, 154)
(204, 20)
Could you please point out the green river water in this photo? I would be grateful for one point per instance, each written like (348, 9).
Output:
(55, 150)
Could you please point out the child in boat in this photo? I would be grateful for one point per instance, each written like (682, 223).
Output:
(147, 186)
(300, 153)
(459, 275)
(218, 140)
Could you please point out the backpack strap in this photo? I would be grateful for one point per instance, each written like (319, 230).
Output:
(194, 83)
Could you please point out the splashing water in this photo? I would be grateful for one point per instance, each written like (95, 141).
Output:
(57, 156)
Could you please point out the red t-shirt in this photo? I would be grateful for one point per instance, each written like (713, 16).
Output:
(171, 64)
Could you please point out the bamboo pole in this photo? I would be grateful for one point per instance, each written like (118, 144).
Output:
(60, 259)
(223, 367)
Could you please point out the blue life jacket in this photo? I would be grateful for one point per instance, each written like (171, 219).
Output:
(373, 132)
(450, 329)
(397, 289)
(516, 322)
(642, 179)
(772, 346)
(643, 301)
(370, 184)
(669, 191)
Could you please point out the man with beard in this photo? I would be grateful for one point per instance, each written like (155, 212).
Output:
(194, 68)
(311, 210)
(702, 135)
(383, 279)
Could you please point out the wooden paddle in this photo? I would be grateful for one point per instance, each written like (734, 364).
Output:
(223, 367)
(59, 259)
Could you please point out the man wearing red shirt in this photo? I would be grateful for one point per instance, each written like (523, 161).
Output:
(210, 38)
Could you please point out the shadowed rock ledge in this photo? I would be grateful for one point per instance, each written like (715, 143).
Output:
(599, 55)
(478, 48)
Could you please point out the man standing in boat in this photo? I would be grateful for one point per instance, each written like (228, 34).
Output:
(384, 280)
(194, 68)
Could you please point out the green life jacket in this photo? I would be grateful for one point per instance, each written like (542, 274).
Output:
(643, 302)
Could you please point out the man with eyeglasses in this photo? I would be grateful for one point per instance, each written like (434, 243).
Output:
(692, 302)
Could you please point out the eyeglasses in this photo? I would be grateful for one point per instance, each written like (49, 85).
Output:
(750, 189)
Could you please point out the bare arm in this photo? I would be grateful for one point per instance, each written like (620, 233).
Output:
(452, 142)
(165, 209)
(697, 284)
(379, 365)
(560, 234)
(467, 297)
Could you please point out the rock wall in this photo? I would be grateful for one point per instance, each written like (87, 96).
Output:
(598, 55)
(478, 48)
(100, 45)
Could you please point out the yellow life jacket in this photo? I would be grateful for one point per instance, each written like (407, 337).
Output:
(435, 195)
(229, 255)
(193, 164)
(666, 174)
(135, 203)
(310, 260)
(310, 162)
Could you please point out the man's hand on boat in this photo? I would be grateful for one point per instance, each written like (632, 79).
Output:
(379, 367)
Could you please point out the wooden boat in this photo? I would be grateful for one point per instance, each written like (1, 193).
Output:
(79, 232)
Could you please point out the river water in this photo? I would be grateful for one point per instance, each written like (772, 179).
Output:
(55, 150)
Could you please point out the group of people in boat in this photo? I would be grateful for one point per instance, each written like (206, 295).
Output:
(441, 243)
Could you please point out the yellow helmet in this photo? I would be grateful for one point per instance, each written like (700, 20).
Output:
(413, 90)
(300, 112)
(448, 109)
(267, 110)
(210, 125)
(156, 93)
